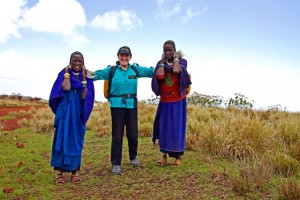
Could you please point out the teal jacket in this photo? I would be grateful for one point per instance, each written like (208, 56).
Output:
(124, 83)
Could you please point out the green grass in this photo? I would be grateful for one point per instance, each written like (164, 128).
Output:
(202, 176)
(232, 154)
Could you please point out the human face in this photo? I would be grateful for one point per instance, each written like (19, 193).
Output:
(124, 59)
(76, 62)
(169, 51)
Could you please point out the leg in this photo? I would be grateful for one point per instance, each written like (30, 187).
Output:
(177, 156)
(163, 161)
(132, 132)
(118, 120)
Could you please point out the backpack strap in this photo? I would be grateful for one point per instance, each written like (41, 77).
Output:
(126, 96)
(133, 66)
(111, 75)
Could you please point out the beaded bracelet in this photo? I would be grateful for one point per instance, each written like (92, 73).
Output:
(176, 59)
(83, 82)
(161, 65)
(66, 75)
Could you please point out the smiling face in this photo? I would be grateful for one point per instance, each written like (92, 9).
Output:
(169, 51)
(76, 62)
(124, 59)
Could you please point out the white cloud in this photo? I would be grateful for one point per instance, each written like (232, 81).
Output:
(190, 14)
(13, 62)
(36, 80)
(55, 16)
(10, 12)
(50, 16)
(117, 21)
(58, 17)
(166, 13)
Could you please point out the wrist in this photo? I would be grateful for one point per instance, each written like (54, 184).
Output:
(66, 75)
(83, 82)
(176, 59)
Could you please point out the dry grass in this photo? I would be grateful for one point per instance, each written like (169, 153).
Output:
(42, 121)
(289, 189)
(264, 144)
(18, 102)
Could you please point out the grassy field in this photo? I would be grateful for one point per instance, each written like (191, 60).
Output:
(231, 154)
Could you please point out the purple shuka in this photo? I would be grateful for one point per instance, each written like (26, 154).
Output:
(170, 120)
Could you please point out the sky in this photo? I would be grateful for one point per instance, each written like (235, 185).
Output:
(251, 47)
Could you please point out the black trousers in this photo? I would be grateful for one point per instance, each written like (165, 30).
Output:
(122, 117)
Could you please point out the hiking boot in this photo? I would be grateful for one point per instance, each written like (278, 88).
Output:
(116, 169)
(135, 162)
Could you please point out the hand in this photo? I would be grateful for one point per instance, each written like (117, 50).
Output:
(176, 55)
(90, 74)
(162, 58)
(83, 72)
(67, 69)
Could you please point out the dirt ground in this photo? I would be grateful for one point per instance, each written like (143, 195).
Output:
(12, 124)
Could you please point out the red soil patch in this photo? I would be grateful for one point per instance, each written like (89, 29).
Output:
(12, 124)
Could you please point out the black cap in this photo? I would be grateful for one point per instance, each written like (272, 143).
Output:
(125, 50)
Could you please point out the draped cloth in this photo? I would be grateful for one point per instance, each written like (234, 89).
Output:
(71, 115)
(184, 78)
(170, 126)
(170, 120)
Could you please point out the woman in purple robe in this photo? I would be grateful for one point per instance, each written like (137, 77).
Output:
(170, 81)
(71, 100)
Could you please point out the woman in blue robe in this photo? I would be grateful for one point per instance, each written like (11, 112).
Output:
(71, 100)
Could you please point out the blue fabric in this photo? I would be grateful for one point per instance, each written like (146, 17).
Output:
(57, 93)
(71, 114)
(69, 132)
(123, 82)
(170, 126)
(184, 77)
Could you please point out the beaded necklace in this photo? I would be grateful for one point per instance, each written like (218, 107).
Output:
(170, 64)
(76, 73)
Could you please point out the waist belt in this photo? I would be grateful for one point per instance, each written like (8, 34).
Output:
(125, 96)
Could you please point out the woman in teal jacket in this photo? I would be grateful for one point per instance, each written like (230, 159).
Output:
(123, 105)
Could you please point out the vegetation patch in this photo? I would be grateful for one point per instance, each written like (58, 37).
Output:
(232, 153)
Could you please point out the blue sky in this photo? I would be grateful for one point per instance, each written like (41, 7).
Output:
(236, 46)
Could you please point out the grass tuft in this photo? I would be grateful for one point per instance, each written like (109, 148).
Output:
(289, 189)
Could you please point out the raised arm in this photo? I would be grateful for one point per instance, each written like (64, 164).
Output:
(66, 84)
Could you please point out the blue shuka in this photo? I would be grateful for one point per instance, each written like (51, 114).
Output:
(170, 126)
(71, 115)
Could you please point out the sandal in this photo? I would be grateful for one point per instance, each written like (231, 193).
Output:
(177, 162)
(59, 179)
(163, 161)
(75, 178)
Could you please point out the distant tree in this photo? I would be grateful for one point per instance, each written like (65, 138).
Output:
(239, 101)
(152, 100)
(204, 100)
(277, 107)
